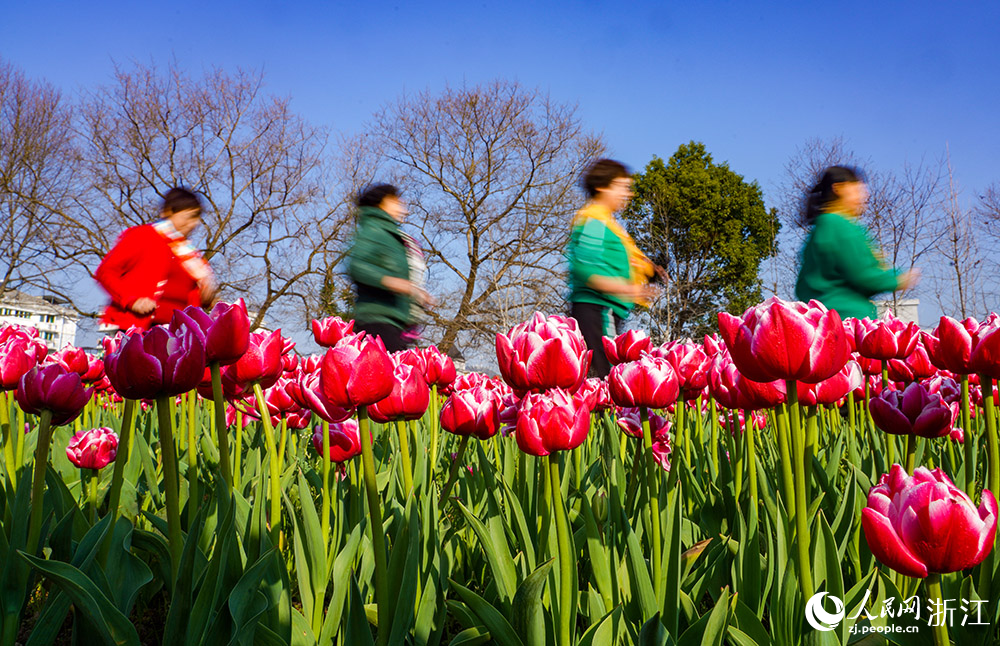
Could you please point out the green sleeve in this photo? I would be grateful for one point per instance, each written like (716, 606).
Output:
(857, 262)
(589, 256)
(367, 266)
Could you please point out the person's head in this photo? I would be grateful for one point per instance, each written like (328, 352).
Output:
(182, 208)
(841, 189)
(609, 182)
(385, 197)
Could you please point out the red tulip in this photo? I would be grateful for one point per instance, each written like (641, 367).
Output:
(626, 347)
(661, 451)
(915, 367)
(77, 360)
(160, 362)
(779, 340)
(29, 335)
(925, 524)
(408, 400)
(830, 391)
(18, 355)
(345, 440)
(329, 331)
(551, 421)
(226, 331)
(713, 344)
(690, 364)
(472, 411)
(261, 363)
(649, 382)
(55, 389)
(630, 423)
(440, 369)
(914, 411)
(886, 338)
(985, 357)
(468, 380)
(93, 449)
(950, 345)
(356, 372)
(542, 353)
(307, 393)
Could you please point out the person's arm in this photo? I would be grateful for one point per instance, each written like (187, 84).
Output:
(132, 270)
(861, 268)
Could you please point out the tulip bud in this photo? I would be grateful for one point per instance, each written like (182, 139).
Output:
(472, 411)
(914, 411)
(329, 331)
(551, 421)
(357, 372)
(649, 382)
(408, 400)
(55, 389)
(626, 347)
(542, 353)
(599, 503)
(345, 440)
(93, 449)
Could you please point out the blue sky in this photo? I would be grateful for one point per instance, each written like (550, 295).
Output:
(898, 80)
(753, 81)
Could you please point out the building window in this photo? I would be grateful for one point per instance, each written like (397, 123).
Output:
(49, 336)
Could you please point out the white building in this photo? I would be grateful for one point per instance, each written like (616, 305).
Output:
(905, 311)
(56, 323)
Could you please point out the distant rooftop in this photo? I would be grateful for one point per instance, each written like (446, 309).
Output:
(47, 304)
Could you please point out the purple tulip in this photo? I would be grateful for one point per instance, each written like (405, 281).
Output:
(53, 388)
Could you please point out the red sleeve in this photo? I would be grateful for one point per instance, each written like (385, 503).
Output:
(134, 266)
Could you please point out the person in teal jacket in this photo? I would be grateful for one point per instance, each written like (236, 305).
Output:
(840, 265)
(379, 264)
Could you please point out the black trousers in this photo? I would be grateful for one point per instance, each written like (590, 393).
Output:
(391, 335)
(595, 322)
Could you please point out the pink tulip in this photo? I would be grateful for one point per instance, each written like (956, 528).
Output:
(630, 422)
(345, 440)
(690, 364)
(734, 391)
(93, 449)
(307, 393)
(830, 391)
(924, 524)
(595, 392)
(951, 344)
(440, 369)
(356, 372)
(551, 421)
(27, 334)
(90, 369)
(329, 331)
(53, 388)
(661, 451)
(985, 357)
(914, 411)
(713, 344)
(542, 353)
(886, 338)
(160, 362)
(626, 347)
(781, 340)
(472, 411)
(649, 382)
(226, 331)
(408, 400)
(17, 356)
(915, 367)
(261, 363)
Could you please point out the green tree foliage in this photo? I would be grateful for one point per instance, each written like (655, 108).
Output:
(709, 228)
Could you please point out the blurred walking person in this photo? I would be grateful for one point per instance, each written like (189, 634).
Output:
(608, 274)
(841, 266)
(153, 269)
(387, 268)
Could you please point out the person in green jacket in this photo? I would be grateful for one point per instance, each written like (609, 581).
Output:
(380, 266)
(841, 267)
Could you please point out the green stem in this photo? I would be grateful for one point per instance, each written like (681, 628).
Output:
(238, 450)
(404, 454)
(993, 482)
(652, 491)
(801, 503)
(751, 451)
(8, 438)
(194, 498)
(175, 541)
(939, 628)
(382, 597)
(567, 600)
(118, 475)
(453, 472)
(681, 431)
(812, 440)
(282, 442)
(19, 433)
(970, 441)
(787, 479)
(911, 453)
(435, 424)
(325, 520)
(38, 481)
(275, 474)
(221, 430)
(94, 480)
(713, 423)
(735, 437)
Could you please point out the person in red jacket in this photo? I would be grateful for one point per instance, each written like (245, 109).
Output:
(153, 270)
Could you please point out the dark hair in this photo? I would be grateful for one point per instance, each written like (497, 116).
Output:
(822, 194)
(600, 174)
(179, 199)
(373, 195)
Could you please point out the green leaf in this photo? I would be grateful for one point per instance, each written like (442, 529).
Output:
(500, 629)
(343, 567)
(606, 632)
(527, 606)
(357, 631)
(109, 622)
(498, 556)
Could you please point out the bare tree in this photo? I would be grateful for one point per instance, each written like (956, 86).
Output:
(258, 165)
(489, 173)
(36, 176)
